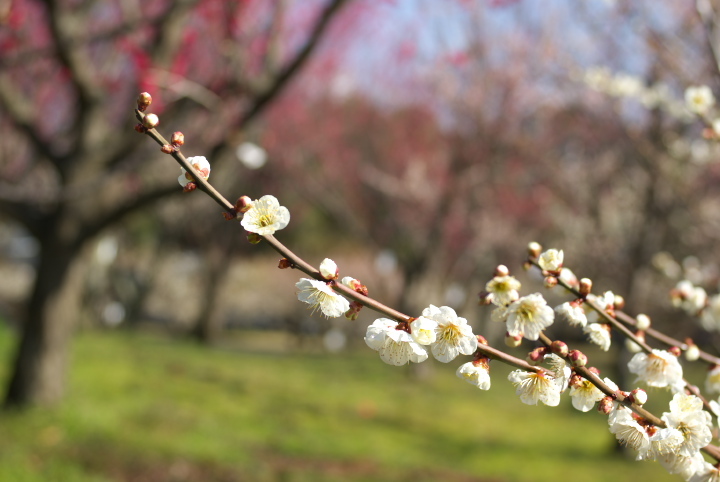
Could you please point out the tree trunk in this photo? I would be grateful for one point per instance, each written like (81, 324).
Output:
(38, 376)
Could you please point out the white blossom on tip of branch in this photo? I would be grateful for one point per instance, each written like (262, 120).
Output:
(504, 289)
(320, 296)
(699, 99)
(265, 216)
(328, 269)
(475, 373)
(534, 387)
(599, 334)
(200, 164)
(659, 368)
(551, 260)
(453, 334)
(395, 346)
(572, 313)
(529, 316)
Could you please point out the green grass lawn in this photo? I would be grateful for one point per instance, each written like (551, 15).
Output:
(147, 408)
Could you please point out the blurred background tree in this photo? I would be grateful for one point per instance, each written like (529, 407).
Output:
(69, 71)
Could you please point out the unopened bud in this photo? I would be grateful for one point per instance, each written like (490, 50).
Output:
(537, 355)
(638, 396)
(190, 187)
(243, 204)
(692, 352)
(254, 238)
(675, 350)
(512, 341)
(481, 340)
(633, 347)
(642, 322)
(550, 282)
(143, 101)
(485, 298)
(284, 263)
(577, 358)
(560, 348)
(618, 302)
(141, 129)
(167, 149)
(150, 121)
(502, 270)
(585, 286)
(328, 269)
(605, 405)
(177, 139)
(534, 249)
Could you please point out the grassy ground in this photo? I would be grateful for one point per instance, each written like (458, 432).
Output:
(143, 408)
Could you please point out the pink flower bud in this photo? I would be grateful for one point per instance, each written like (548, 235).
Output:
(243, 204)
(675, 350)
(150, 121)
(143, 101)
(537, 355)
(638, 396)
(605, 405)
(534, 249)
(585, 286)
(560, 348)
(577, 358)
(550, 282)
(502, 270)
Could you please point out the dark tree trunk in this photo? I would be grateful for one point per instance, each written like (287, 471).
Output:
(38, 376)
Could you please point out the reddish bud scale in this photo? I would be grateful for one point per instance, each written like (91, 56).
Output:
(189, 187)
(605, 405)
(284, 263)
(140, 129)
(229, 215)
(482, 340)
(254, 238)
(482, 361)
(405, 326)
(550, 282)
(167, 149)
(177, 139)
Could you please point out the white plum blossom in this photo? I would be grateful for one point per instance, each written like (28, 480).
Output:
(599, 334)
(534, 387)
(604, 302)
(328, 269)
(200, 164)
(572, 313)
(504, 289)
(453, 334)
(685, 467)
(707, 472)
(424, 330)
(395, 345)
(529, 316)
(265, 216)
(476, 373)
(585, 395)
(663, 442)
(659, 368)
(710, 316)
(712, 380)
(561, 370)
(320, 296)
(699, 99)
(628, 430)
(694, 424)
(551, 260)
